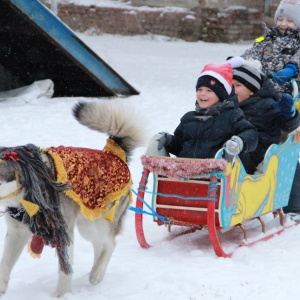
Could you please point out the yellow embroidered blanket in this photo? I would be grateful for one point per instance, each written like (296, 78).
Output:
(97, 177)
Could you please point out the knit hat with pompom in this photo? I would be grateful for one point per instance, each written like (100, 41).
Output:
(218, 78)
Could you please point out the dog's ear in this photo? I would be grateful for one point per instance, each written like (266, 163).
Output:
(8, 171)
(6, 174)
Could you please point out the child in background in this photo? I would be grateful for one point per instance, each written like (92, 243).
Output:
(279, 53)
(257, 98)
(279, 49)
(214, 122)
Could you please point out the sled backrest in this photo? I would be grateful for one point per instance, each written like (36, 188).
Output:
(251, 196)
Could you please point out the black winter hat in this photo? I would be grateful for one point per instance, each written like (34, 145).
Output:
(215, 85)
(218, 78)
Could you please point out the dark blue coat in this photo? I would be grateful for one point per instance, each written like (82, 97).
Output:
(268, 121)
(201, 133)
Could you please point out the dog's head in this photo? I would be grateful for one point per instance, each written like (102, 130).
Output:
(22, 167)
(11, 178)
(25, 179)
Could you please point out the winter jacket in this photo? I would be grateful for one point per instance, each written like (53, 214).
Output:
(268, 120)
(275, 50)
(201, 133)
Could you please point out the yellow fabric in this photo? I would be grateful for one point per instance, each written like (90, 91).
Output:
(30, 207)
(97, 177)
(115, 149)
(109, 216)
(259, 39)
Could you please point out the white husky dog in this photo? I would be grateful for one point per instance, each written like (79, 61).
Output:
(38, 204)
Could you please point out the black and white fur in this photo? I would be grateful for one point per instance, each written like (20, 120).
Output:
(111, 117)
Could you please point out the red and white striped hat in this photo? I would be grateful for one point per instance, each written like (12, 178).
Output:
(218, 78)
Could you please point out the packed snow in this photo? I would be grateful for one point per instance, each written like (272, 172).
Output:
(165, 72)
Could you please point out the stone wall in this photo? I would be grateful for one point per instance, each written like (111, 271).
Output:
(114, 20)
(212, 24)
(230, 25)
(257, 4)
(207, 25)
(163, 3)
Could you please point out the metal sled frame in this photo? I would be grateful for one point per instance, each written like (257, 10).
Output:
(222, 201)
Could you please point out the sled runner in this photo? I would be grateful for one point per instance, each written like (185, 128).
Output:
(216, 194)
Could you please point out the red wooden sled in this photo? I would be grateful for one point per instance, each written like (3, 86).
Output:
(216, 198)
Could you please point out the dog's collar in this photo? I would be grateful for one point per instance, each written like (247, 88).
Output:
(16, 213)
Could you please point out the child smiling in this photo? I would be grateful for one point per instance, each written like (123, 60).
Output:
(214, 123)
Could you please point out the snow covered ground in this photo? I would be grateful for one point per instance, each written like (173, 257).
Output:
(165, 72)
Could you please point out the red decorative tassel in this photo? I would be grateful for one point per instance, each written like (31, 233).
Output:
(36, 246)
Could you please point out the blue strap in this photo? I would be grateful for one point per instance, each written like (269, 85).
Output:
(212, 187)
(141, 211)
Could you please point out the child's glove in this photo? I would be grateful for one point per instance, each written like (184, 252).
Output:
(234, 146)
(164, 140)
(286, 105)
(284, 75)
(235, 61)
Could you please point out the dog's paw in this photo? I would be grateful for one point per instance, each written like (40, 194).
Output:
(1, 293)
(3, 286)
(63, 285)
(60, 293)
(96, 277)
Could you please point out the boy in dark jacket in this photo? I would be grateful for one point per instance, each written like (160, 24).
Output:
(257, 98)
(215, 121)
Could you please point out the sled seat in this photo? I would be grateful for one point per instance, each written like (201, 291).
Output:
(182, 208)
(183, 188)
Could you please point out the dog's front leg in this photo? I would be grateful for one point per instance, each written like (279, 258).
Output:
(102, 257)
(64, 280)
(70, 211)
(16, 238)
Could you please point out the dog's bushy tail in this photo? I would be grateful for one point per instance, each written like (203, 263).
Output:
(114, 118)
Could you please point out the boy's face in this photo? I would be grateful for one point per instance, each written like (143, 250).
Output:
(242, 92)
(283, 23)
(206, 97)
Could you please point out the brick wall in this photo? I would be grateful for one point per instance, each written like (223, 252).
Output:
(257, 4)
(162, 3)
(114, 20)
(210, 24)
(230, 24)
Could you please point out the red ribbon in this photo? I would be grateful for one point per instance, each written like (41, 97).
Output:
(11, 155)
